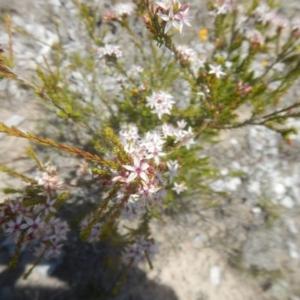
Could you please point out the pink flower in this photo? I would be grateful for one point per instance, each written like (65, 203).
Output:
(155, 153)
(138, 170)
(48, 206)
(14, 228)
(177, 19)
(182, 16)
(17, 207)
(33, 226)
(153, 145)
(129, 132)
(244, 88)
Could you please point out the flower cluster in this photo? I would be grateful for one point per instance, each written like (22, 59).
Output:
(182, 136)
(161, 103)
(48, 179)
(52, 240)
(29, 226)
(28, 223)
(144, 177)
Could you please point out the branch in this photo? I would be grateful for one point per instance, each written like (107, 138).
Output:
(13, 131)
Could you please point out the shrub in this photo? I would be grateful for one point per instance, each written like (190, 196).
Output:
(140, 110)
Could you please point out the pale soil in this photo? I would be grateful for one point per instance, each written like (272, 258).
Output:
(190, 252)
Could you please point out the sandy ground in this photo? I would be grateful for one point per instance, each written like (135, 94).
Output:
(192, 264)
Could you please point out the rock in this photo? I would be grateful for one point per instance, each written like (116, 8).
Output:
(279, 189)
(14, 120)
(254, 187)
(256, 210)
(287, 202)
(293, 251)
(215, 275)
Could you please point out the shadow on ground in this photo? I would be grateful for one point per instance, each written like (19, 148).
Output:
(86, 272)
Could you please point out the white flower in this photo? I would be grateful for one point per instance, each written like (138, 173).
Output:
(155, 153)
(172, 167)
(181, 124)
(185, 137)
(48, 206)
(176, 20)
(179, 187)
(182, 16)
(17, 207)
(217, 70)
(167, 130)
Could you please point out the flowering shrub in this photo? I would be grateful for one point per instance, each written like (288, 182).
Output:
(139, 114)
